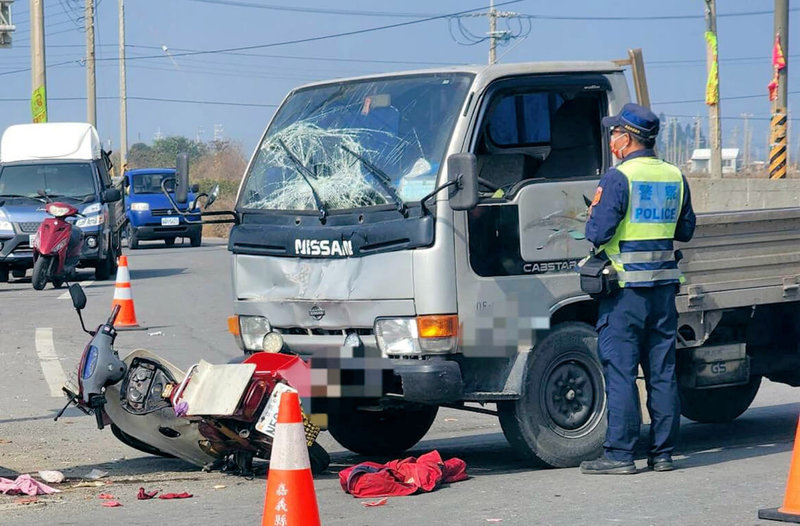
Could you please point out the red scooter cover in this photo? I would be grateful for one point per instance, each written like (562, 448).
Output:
(402, 477)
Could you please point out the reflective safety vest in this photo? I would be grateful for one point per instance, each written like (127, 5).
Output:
(641, 250)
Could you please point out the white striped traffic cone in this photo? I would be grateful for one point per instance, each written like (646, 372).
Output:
(126, 319)
(290, 499)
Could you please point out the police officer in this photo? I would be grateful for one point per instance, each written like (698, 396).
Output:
(639, 208)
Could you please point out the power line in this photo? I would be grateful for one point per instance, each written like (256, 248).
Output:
(737, 97)
(318, 38)
(153, 99)
(646, 17)
(312, 10)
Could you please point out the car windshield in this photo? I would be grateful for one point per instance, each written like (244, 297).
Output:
(151, 183)
(356, 144)
(57, 180)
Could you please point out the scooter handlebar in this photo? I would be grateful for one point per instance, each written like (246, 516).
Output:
(114, 313)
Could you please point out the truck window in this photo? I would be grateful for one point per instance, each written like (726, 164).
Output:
(57, 179)
(536, 132)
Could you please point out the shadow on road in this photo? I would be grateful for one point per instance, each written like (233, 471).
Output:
(156, 273)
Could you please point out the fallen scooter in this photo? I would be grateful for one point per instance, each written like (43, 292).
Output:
(56, 246)
(213, 416)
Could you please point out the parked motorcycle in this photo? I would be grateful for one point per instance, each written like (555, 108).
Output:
(56, 247)
(213, 416)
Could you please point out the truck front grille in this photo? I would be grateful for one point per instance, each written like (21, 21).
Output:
(322, 332)
(29, 227)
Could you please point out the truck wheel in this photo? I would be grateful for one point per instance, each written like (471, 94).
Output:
(133, 239)
(382, 432)
(135, 443)
(319, 458)
(40, 270)
(716, 406)
(197, 239)
(3, 274)
(559, 420)
(18, 273)
(170, 241)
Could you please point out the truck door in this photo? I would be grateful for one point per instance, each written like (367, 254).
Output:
(540, 150)
(116, 210)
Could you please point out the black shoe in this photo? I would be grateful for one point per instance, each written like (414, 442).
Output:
(605, 466)
(660, 463)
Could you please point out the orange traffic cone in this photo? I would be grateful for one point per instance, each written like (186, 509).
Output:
(790, 511)
(126, 319)
(290, 499)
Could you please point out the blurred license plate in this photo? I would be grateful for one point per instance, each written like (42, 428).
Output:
(32, 239)
(170, 221)
(269, 417)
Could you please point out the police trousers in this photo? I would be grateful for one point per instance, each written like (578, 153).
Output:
(638, 325)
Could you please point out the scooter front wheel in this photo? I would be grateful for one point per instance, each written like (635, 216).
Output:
(40, 270)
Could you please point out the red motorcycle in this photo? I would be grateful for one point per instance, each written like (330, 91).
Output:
(56, 247)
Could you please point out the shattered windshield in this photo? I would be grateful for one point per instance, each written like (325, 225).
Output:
(356, 144)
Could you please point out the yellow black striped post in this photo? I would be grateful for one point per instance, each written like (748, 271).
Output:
(777, 154)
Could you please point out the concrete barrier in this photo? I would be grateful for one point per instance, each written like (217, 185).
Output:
(715, 195)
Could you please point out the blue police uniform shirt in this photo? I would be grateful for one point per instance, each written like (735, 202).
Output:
(607, 213)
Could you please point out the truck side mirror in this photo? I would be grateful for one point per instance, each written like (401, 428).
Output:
(212, 196)
(463, 168)
(195, 188)
(182, 178)
(112, 195)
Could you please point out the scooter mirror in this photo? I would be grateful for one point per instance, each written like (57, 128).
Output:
(78, 296)
(212, 196)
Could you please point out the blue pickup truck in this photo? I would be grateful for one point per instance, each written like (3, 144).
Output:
(150, 214)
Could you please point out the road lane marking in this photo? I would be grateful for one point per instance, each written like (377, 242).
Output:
(66, 296)
(48, 359)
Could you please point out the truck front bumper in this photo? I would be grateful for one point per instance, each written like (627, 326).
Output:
(150, 232)
(432, 381)
(16, 252)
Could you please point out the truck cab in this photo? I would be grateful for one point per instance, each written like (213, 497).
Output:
(150, 213)
(62, 161)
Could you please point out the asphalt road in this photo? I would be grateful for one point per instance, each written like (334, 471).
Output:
(726, 472)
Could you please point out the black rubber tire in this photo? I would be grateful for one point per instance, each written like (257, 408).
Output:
(379, 433)
(319, 458)
(105, 268)
(40, 271)
(719, 405)
(3, 274)
(560, 419)
(18, 273)
(135, 443)
(196, 240)
(169, 241)
(133, 239)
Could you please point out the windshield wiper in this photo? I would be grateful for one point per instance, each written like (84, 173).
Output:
(23, 196)
(382, 177)
(305, 173)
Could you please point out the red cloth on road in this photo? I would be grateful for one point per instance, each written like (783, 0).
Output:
(183, 495)
(27, 485)
(146, 495)
(401, 477)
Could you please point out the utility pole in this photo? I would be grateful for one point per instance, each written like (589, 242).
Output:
(492, 33)
(675, 149)
(712, 62)
(747, 140)
(778, 155)
(123, 93)
(91, 89)
(697, 132)
(38, 77)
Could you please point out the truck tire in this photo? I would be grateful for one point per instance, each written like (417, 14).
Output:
(559, 420)
(106, 268)
(719, 405)
(318, 458)
(18, 273)
(133, 239)
(382, 432)
(169, 241)
(40, 271)
(196, 240)
(3, 274)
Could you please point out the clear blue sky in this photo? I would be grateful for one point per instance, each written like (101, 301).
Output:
(674, 51)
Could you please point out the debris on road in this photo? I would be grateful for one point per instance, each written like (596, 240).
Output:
(157, 333)
(220, 486)
(27, 485)
(111, 504)
(146, 495)
(96, 474)
(26, 500)
(183, 495)
(95, 484)
(402, 477)
(52, 477)
(106, 496)
(376, 503)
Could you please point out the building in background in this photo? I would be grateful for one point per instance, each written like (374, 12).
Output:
(731, 160)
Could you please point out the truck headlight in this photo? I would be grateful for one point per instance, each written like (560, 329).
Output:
(140, 207)
(89, 221)
(397, 336)
(252, 330)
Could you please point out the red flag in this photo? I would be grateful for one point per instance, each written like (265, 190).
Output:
(778, 63)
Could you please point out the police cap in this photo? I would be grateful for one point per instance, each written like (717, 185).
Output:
(636, 120)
